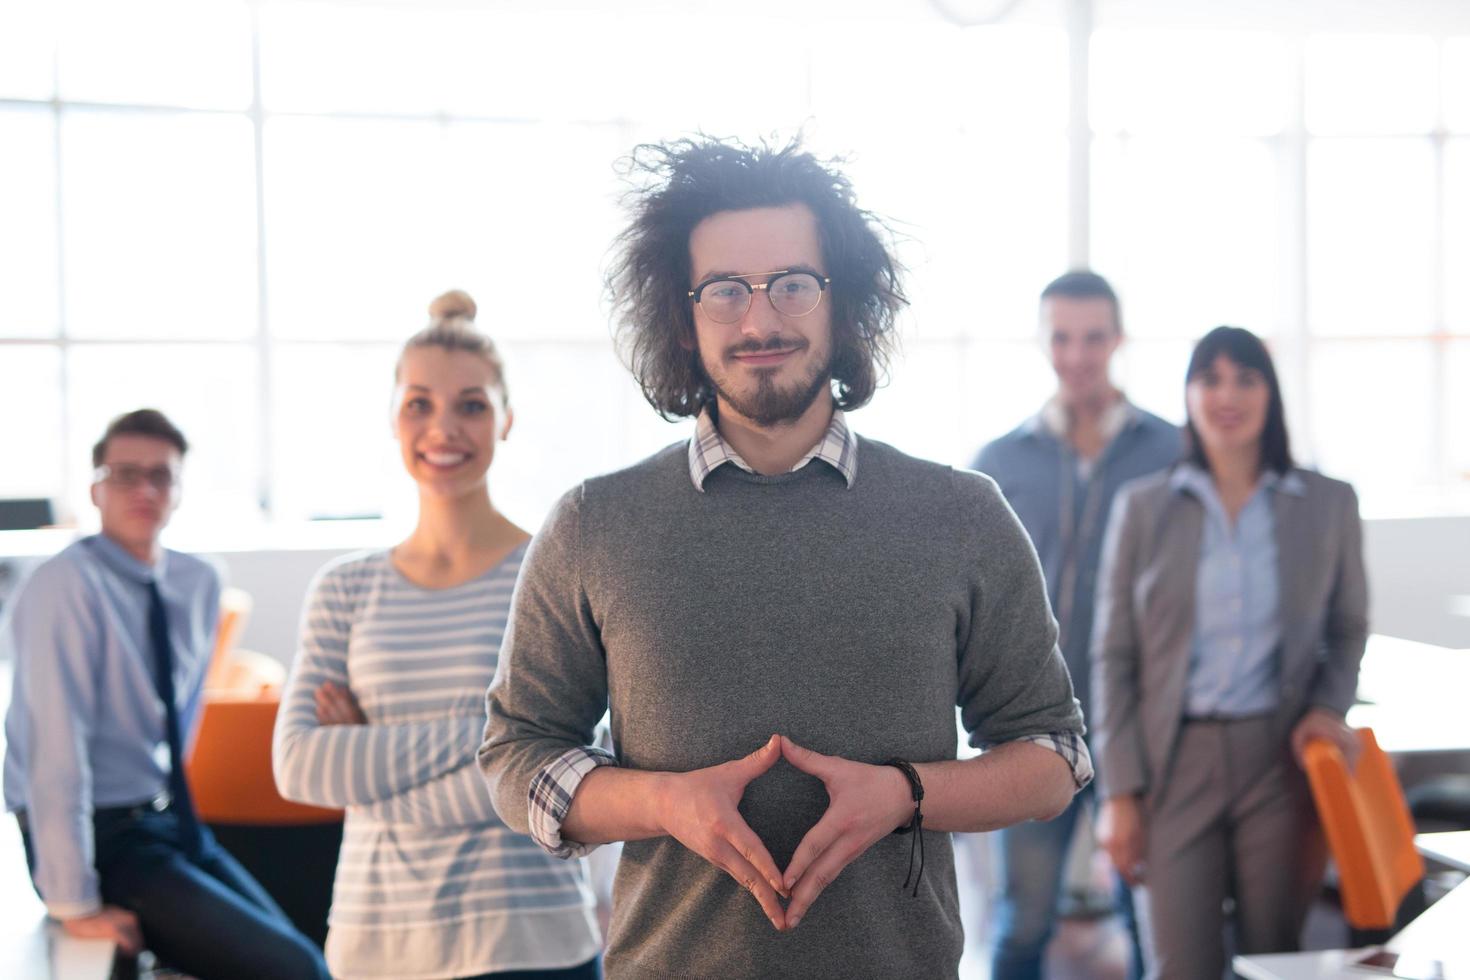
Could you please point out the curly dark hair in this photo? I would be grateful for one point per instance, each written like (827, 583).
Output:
(680, 183)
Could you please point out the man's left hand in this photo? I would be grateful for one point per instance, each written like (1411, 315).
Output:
(866, 804)
(1322, 723)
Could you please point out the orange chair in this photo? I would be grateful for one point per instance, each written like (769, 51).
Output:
(229, 769)
(234, 610)
(290, 849)
(1368, 828)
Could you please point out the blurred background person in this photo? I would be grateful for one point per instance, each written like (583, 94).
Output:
(1059, 471)
(112, 637)
(1231, 620)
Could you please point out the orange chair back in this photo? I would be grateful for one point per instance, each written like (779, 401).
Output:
(235, 606)
(1368, 828)
(229, 769)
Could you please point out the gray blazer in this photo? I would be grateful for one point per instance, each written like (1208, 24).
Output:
(1145, 618)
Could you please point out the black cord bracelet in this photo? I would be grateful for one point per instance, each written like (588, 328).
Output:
(915, 825)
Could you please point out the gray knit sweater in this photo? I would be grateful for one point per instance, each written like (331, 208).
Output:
(852, 619)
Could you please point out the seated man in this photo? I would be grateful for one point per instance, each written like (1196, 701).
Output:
(111, 639)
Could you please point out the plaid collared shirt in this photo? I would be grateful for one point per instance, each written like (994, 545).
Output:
(708, 450)
(551, 792)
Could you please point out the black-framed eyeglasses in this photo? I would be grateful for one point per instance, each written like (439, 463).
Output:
(127, 476)
(792, 292)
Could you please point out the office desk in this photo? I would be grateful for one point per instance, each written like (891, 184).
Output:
(1441, 931)
(31, 945)
(1438, 934)
(1416, 693)
(37, 949)
(1451, 848)
(1327, 964)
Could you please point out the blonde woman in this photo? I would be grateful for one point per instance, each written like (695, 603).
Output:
(385, 706)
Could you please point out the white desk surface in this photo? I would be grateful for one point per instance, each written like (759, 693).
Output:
(1441, 933)
(1452, 848)
(31, 945)
(1330, 963)
(1417, 694)
(1438, 934)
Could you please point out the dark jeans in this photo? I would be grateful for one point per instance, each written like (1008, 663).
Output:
(206, 917)
(591, 970)
(294, 864)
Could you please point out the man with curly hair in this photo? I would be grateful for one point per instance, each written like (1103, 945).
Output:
(781, 616)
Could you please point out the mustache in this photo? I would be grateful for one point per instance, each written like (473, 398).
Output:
(776, 343)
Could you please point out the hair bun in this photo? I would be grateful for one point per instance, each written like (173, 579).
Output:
(454, 303)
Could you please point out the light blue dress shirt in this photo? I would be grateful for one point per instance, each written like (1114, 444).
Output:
(1237, 626)
(1064, 507)
(85, 729)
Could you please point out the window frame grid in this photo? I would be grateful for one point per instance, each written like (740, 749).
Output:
(1291, 148)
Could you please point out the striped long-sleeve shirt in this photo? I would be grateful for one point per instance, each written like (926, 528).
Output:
(430, 883)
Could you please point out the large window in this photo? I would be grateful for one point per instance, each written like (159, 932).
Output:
(235, 212)
(1314, 199)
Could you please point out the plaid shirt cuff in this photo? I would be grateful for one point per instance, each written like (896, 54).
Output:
(1070, 746)
(550, 798)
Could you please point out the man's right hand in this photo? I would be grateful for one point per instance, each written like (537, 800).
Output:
(699, 809)
(116, 924)
(1121, 833)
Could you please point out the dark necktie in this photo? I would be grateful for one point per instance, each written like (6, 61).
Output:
(163, 681)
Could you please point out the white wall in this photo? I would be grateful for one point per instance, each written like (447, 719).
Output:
(277, 582)
(1419, 579)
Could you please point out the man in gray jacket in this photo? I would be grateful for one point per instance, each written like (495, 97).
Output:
(781, 616)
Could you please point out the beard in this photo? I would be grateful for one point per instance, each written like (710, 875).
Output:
(770, 404)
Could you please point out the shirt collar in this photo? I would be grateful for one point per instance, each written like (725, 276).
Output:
(1188, 476)
(1291, 482)
(708, 450)
(115, 557)
(1052, 419)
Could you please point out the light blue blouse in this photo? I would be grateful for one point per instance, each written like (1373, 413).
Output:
(1237, 626)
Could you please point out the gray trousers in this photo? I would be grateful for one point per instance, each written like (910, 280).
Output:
(1233, 819)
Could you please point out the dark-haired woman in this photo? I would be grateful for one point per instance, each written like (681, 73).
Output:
(1231, 618)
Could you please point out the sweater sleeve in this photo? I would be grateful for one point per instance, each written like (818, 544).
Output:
(1014, 684)
(550, 687)
(352, 765)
